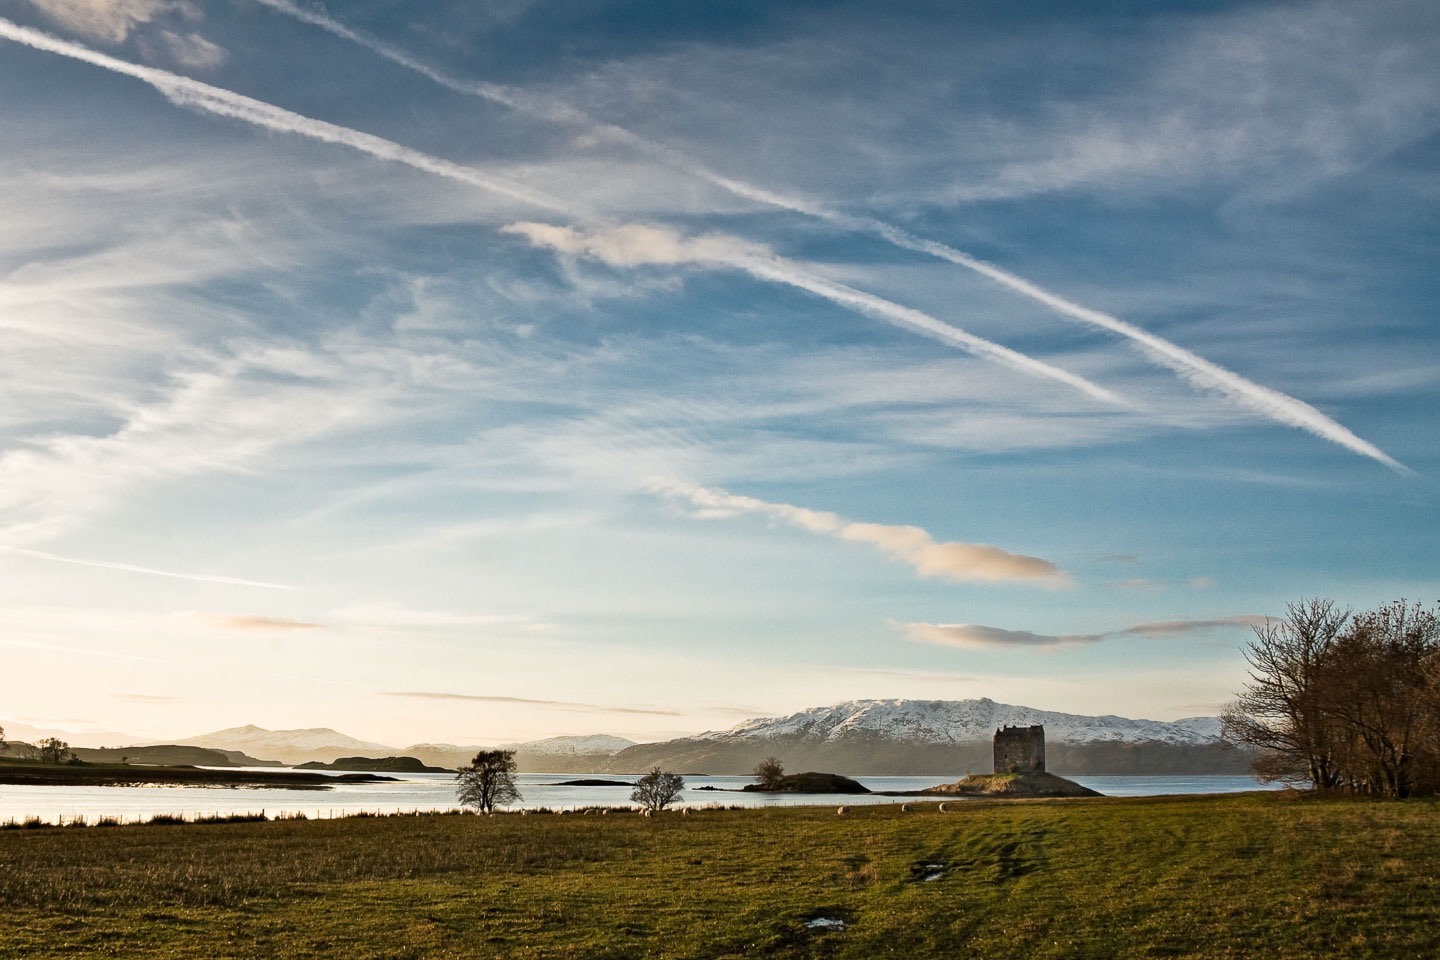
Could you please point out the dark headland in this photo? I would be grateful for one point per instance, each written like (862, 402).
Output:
(129, 775)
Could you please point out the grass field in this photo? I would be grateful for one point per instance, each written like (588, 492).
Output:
(1234, 876)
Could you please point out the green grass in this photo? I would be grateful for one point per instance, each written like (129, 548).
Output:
(1239, 876)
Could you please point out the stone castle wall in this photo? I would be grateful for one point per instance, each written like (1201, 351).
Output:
(1020, 749)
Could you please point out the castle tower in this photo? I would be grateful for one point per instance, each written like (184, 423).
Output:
(1020, 749)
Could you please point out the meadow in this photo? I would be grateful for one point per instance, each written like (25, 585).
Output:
(1249, 875)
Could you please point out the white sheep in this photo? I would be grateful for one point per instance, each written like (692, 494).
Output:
(842, 810)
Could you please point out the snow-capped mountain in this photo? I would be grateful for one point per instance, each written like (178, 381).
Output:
(597, 743)
(551, 755)
(289, 746)
(940, 737)
(961, 721)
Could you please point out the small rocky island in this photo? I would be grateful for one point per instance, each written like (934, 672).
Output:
(372, 764)
(810, 783)
(1019, 771)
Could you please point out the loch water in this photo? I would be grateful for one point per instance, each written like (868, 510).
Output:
(422, 792)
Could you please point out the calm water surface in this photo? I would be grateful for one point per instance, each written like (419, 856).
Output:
(436, 791)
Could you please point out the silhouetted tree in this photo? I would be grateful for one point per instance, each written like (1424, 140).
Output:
(1280, 711)
(768, 773)
(657, 790)
(489, 781)
(1377, 684)
(1342, 701)
(53, 750)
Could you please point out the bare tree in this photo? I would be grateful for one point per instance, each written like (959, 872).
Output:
(488, 781)
(1281, 710)
(768, 773)
(1345, 702)
(657, 790)
(1377, 684)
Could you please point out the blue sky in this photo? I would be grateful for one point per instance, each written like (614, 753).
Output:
(477, 372)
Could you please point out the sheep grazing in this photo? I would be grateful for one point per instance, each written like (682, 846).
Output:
(944, 808)
(904, 808)
(842, 810)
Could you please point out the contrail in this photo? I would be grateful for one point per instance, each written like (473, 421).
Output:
(1199, 372)
(150, 571)
(870, 305)
(186, 92)
(633, 245)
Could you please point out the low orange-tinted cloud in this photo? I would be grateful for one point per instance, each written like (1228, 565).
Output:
(486, 698)
(963, 562)
(976, 637)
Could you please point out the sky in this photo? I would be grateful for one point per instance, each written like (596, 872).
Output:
(481, 372)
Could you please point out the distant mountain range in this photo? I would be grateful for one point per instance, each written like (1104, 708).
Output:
(860, 737)
(940, 737)
(324, 745)
(288, 746)
(960, 721)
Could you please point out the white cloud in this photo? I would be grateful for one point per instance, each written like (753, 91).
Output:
(192, 50)
(960, 562)
(111, 21)
(633, 245)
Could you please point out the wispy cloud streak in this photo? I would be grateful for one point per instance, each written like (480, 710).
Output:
(1196, 370)
(148, 571)
(963, 562)
(183, 91)
(245, 622)
(634, 245)
(525, 701)
(186, 92)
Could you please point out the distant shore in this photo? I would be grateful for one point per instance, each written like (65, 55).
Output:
(134, 775)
